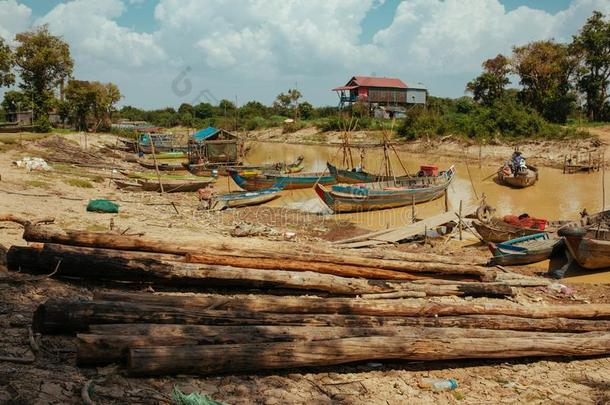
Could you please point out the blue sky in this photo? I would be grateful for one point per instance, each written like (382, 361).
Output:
(164, 52)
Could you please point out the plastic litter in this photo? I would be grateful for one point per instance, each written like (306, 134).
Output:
(33, 164)
(105, 206)
(438, 384)
(194, 398)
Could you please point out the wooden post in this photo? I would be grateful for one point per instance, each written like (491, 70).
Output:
(446, 201)
(460, 219)
(565, 157)
(604, 184)
(480, 157)
(413, 208)
(152, 148)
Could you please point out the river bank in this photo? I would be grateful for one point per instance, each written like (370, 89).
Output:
(54, 377)
(546, 153)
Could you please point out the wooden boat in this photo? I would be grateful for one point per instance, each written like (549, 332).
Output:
(206, 169)
(244, 198)
(359, 176)
(169, 186)
(164, 167)
(289, 181)
(519, 180)
(589, 247)
(383, 195)
(168, 155)
(497, 231)
(524, 250)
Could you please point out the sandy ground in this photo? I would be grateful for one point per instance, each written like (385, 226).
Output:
(54, 378)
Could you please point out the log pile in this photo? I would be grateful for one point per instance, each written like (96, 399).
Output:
(370, 306)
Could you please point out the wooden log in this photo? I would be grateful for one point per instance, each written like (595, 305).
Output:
(214, 359)
(65, 316)
(49, 234)
(106, 264)
(353, 265)
(105, 347)
(398, 307)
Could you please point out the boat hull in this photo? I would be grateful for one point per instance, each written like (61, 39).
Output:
(520, 181)
(589, 252)
(259, 182)
(245, 199)
(525, 250)
(164, 167)
(498, 231)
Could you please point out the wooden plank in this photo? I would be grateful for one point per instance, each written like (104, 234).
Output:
(403, 232)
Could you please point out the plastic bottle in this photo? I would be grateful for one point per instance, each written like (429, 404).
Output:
(439, 384)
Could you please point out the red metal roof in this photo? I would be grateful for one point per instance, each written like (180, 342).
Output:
(345, 88)
(368, 81)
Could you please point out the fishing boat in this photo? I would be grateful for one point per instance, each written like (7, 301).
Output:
(520, 179)
(205, 169)
(164, 167)
(358, 176)
(589, 247)
(524, 250)
(244, 198)
(497, 231)
(288, 181)
(170, 155)
(165, 185)
(384, 194)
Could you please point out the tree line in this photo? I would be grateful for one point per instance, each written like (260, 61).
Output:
(557, 82)
(42, 67)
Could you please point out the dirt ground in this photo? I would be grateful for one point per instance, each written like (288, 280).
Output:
(53, 377)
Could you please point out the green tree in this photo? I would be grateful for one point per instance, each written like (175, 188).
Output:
(545, 69)
(287, 103)
(7, 61)
(204, 110)
(306, 110)
(592, 45)
(491, 84)
(91, 103)
(43, 62)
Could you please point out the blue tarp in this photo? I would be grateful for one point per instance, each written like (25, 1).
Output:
(205, 133)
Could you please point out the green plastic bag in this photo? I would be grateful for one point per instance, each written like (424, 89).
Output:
(105, 206)
(193, 398)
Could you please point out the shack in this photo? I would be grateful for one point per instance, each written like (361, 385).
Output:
(213, 145)
(386, 97)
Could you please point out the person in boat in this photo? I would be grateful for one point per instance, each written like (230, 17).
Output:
(517, 162)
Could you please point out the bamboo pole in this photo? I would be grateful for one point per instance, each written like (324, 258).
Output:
(152, 148)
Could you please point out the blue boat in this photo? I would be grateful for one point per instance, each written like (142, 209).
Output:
(244, 198)
(524, 250)
(288, 181)
(385, 194)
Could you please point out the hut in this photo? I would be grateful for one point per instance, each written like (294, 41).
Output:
(214, 145)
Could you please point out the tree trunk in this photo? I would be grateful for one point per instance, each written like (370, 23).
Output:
(106, 264)
(350, 306)
(108, 345)
(214, 359)
(65, 316)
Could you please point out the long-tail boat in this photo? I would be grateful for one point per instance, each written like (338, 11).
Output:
(288, 181)
(244, 198)
(167, 185)
(206, 169)
(589, 247)
(164, 167)
(385, 194)
(524, 250)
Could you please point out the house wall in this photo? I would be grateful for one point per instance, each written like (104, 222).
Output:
(416, 96)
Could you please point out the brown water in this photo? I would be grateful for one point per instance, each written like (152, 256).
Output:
(554, 196)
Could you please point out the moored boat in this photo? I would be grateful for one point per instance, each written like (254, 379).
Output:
(244, 198)
(386, 194)
(524, 250)
(589, 247)
(164, 167)
(205, 169)
(288, 181)
(497, 231)
(357, 176)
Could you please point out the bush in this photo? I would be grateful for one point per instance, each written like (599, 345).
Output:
(43, 124)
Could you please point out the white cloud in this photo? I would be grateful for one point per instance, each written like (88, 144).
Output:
(94, 35)
(14, 18)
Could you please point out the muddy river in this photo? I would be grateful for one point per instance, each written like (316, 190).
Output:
(555, 196)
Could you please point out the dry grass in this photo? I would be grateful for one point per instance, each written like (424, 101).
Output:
(11, 139)
(78, 183)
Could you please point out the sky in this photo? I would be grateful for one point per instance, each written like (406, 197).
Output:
(166, 52)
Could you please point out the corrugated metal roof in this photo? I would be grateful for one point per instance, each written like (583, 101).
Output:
(205, 133)
(368, 81)
(345, 88)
